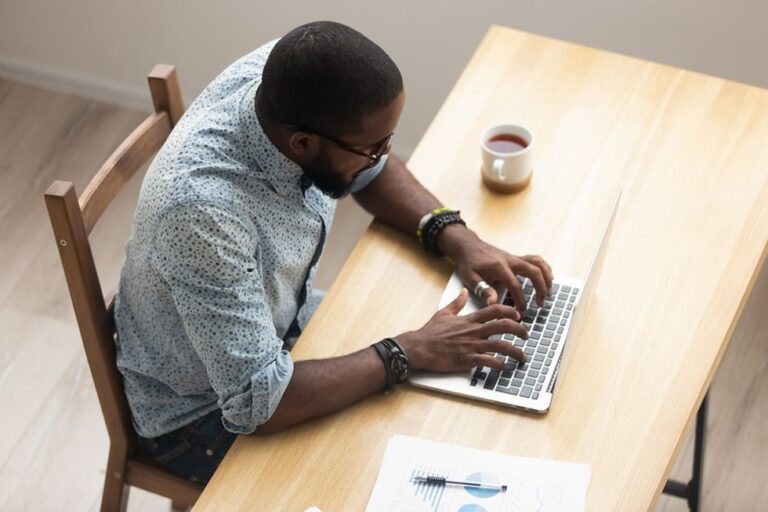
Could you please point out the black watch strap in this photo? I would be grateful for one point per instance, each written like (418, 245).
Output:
(395, 361)
(384, 355)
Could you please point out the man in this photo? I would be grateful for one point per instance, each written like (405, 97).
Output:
(230, 224)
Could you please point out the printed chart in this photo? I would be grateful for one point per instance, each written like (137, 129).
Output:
(532, 484)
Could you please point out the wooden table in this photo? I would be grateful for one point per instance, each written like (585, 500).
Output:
(690, 236)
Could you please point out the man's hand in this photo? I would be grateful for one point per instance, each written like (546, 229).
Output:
(478, 261)
(449, 342)
(396, 198)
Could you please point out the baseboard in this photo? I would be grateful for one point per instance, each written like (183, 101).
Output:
(72, 82)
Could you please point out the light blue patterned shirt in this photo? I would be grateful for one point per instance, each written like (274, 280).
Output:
(225, 242)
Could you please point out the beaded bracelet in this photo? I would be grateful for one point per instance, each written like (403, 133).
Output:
(439, 220)
(425, 219)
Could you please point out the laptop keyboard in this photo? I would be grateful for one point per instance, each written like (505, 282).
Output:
(545, 326)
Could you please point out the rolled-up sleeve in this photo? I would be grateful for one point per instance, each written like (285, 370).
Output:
(367, 176)
(207, 255)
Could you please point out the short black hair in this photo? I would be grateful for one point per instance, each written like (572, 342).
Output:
(326, 76)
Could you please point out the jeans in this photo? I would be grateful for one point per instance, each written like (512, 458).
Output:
(193, 451)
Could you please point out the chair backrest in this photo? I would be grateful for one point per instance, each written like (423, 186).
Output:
(73, 221)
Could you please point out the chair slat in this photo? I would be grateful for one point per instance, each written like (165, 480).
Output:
(148, 476)
(128, 158)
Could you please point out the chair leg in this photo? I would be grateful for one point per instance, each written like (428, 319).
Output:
(179, 507)
(115, 496)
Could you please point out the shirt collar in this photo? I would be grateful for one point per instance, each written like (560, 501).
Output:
(284, 174)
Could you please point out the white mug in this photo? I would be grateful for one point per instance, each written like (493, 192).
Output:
(507, 171)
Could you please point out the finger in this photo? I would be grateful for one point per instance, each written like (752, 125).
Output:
(503, 326)
(493, 312)
(536, 276)
(514, 288)
(543, 266)
(503, 347)
(457, 304)
(489, 294)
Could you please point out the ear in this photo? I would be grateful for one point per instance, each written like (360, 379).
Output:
(303, 144)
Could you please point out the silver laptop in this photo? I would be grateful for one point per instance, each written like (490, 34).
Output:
(553, 330)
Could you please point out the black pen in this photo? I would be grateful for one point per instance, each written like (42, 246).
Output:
(438, 480)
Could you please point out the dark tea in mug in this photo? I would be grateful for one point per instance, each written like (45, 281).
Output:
(506, 143)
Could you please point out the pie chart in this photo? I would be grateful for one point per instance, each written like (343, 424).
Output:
(485, 478)
(471, 507)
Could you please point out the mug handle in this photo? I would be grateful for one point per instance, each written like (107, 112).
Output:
(498, 169)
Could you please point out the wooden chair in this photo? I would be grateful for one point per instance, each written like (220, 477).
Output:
(72, 222)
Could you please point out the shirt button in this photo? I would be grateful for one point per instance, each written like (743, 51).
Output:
(209, 452)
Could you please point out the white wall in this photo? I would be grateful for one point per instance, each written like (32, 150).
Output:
(104, 48)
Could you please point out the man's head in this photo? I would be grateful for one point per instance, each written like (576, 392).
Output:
(330, 96)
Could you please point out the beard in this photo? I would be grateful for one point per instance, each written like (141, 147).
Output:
(327, 179)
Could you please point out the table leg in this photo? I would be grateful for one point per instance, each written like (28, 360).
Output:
(692, 490)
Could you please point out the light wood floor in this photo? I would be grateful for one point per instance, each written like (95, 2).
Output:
(53, 444)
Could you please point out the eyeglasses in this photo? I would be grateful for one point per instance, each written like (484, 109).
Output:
(379, 148)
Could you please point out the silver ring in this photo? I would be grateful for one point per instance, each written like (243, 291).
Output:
(481, 288)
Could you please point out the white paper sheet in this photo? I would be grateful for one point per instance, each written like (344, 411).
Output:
(533, 484)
